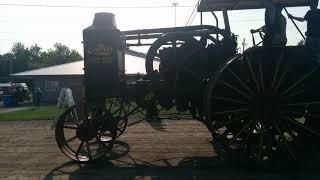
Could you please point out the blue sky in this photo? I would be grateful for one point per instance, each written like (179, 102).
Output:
(47, 25)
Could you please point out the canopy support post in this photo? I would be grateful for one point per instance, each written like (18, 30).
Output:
(295, 25)
(226, 20)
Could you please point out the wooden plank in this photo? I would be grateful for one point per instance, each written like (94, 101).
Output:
(28, 148)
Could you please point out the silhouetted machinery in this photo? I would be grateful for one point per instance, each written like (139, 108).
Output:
(263, 103)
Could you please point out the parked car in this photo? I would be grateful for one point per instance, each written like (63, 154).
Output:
(4, 89)
(19, 90)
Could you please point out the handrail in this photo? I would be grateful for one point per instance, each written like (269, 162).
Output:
(294, 23)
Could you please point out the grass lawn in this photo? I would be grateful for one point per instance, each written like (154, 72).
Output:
(49, 113)
(42, 113)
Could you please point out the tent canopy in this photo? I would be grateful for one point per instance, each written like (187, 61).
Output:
(219, 5)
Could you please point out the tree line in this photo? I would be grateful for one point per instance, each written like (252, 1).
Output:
(22, 58)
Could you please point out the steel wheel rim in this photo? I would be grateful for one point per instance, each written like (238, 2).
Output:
(75, 147)
(285, 128)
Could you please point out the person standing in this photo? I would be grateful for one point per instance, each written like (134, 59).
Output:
(313, 27)
(37, 97)
(275, 25)
(313, 44)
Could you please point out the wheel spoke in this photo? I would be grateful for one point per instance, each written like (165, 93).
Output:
(302, 126)
(72, 118)
(261, 74)
(251, 128)
(88, 149)
(293, 94)
(122, 122)
(303, 103)
(240, 81)
(253, 74)
(296, 112)
(110, 105)
(270, 138)
(300, 80)
(69, 126)
(230, 121)
(261, 143)
(241, 131)
(231, 111)
(302, 114)
(277, 67)
(289, 131)
(115, 112)
(71, 139)
(284, 140)
(219, 124)
(120, 130)
(236, 89)
(282, 77)
(121, 109)
(226, 99)
(79, 148)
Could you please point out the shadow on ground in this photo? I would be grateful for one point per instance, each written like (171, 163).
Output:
(112, 166)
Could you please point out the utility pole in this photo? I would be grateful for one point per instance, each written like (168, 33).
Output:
(11, 69)
(175, 4)
(244, 44)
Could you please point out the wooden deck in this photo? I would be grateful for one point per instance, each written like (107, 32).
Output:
(173, 149)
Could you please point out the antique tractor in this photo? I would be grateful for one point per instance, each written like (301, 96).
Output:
(263, 103)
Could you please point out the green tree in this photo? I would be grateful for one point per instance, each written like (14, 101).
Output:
(35, 57)
(22, 58)
(59, 55)
(4, 67)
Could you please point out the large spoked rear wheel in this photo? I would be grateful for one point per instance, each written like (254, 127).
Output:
(83, 139)
(265, 105)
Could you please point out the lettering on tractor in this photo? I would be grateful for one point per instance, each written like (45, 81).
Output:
(101, 54)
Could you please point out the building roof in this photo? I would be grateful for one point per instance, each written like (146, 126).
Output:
(219, 5)
(73, 68)
(8, 84)
(134, 64)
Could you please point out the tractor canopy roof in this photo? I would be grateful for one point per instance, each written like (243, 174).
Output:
(219, 5)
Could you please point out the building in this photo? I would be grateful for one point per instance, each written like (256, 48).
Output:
(70, 75)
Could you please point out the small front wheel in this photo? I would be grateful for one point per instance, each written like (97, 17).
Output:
(79, 138)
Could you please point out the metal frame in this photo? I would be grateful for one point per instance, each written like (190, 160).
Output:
(249, 102)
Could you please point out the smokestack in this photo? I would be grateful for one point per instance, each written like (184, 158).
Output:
(104, 20)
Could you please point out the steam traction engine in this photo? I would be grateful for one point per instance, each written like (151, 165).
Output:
(262, 103)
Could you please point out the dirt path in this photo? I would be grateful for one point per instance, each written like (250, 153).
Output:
(178, 150)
